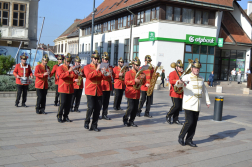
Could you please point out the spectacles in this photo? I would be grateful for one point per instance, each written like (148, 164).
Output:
(59, 59)
(96, 58)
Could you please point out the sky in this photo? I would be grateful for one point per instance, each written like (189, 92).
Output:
(60, 14)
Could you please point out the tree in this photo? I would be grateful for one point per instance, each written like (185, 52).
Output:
(6, 63)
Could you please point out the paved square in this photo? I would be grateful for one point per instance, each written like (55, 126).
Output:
(28, 139)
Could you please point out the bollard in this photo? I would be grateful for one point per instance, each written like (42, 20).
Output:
(218, 107)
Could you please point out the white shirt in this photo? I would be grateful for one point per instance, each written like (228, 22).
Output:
(193, 92)
(248, 72)
(233, 72)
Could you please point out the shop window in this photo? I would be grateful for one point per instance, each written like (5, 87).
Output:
(187, 15)
(4, 13)
(109, 50)
(205, 54)
(147, 15)
(136, 48)
(116, 52)
(19, 11)
(126, 50)
(169, 12)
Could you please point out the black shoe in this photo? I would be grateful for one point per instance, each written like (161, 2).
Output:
(76, 110)
(148, 115)
(105, 117)
(181, 141)
(115, 108)
(138, 114)
(132, 124)
(119, 108)
(86, 126)
(16, 105)
(72, 110)
(67, 120)
(43, 112)
(168, 119)
(60, 120)
(55, 104)
(94, 129)
(190, 143)
(177, 122)
(125, 124)
(23, 105)
(37, 111)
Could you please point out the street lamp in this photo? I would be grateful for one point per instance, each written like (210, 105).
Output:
(92, 36)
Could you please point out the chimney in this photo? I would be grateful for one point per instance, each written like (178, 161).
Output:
(77, 20)
(249, 8)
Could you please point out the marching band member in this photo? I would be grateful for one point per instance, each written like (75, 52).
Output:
(54, 70)
(175, 97)
(132, 93)
(106, 84)
(78, 85)
(65, 89)
(118, 84)
(93, 91)
(144, 88)
(42, 71)
(194, 86)
(22, 70)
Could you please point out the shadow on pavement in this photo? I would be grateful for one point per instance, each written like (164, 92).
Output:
(221, 135)
(210, 117)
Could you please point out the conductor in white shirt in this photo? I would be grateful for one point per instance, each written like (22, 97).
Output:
(193, 85)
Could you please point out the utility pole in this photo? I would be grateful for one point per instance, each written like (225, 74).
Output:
(92, 36)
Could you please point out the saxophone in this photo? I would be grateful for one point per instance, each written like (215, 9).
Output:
(153, 80)
(79, 73)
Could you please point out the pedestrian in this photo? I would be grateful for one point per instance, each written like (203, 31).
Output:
(233, 74)
(193, 86)
(239, 76)
(162, 77)
(247, 73)
(211, 79)
(22, 72)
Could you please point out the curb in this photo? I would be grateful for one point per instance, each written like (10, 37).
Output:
(29, 94)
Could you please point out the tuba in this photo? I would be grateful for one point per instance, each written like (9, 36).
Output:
(77, 70)
(153, 80)
(123, 70)
(187, 71)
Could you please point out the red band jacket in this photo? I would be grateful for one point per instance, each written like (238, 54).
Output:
(41, 81)
(54, 71)
(93, 80)
(65, 84)
(20, 72)
(118, 83)
(173, 78)
(148, 73)
(107, 81)
(130, 91)
(76, 76)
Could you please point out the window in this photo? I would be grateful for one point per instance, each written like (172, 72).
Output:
(177, 12)
(187, 15)
(105, 26)
(140, 17)
(205, 18)
(119, 23)
(96, 47)
(109, 50)
(147, 15)
(98, 28)
(126, 50)
(197, 17)
(136, 48)
(65, 47)
(4, 13)
(169, 12)
(101, 48)
(112, 24)
(109, 26)
(86, 49)
(155, 13)
(87, 31)
(124, 21)
(205, 54)
(116, 52)
(62, 48)
(19, 11)
(83, 48)
(130, 20)
(89, 50)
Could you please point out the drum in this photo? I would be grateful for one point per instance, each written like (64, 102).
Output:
(24, 80)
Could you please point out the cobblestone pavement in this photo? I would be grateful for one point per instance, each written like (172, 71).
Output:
(28, 139)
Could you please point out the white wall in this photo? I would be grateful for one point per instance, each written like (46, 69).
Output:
(242, 20)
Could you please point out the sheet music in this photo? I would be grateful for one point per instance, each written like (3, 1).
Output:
(159, 64)
(145, 67)
(104, 65)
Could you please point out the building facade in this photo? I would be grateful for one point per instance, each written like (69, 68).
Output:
(68, 42)
(171, 30)
(19, 19)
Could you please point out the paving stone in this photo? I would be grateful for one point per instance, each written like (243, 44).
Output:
(15, 159)
(68, 158)
(8, 147)
(38, 162)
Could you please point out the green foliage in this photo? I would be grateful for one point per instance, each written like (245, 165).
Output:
(8, 83)
(6, 63)
(51, 64)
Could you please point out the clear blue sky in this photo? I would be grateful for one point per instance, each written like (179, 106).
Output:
(60, 14)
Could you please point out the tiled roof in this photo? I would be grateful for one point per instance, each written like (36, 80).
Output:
(225, 36)
(71, 29)
(109, 6)
(234, 29)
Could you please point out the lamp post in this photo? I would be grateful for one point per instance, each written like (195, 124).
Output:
(131, 32)
(92, 36)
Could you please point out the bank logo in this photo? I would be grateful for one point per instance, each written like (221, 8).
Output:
(201, 40)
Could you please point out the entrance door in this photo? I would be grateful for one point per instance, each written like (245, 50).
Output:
(225, 68)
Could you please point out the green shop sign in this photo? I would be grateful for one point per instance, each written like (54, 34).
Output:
(190, 39)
